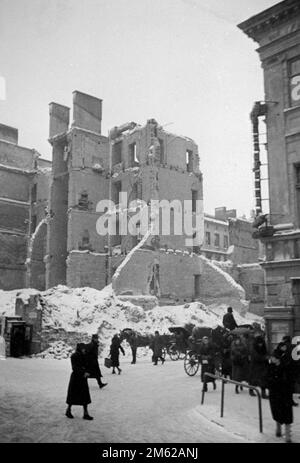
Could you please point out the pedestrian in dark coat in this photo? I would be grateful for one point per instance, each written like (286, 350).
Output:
(258, 366)
(115, 349)
(293, 366)
(207, 357)
(281, 399)
(226, 356)
(240, 362)
(92, 360)
(229, 320)
(78, 390)
(157, 346)
(133, 342)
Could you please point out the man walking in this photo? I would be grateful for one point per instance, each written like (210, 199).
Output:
(92, 360)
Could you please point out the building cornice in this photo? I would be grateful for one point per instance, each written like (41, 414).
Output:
(263, 22)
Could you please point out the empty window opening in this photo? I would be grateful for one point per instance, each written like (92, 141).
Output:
(83, 202)
(117, 188)
(226, 241)
(197, 285)
(133, 160)
(217, 240)
(189, 160)
(34, 193)
(117, 153)
(207, 238)
(194, 200)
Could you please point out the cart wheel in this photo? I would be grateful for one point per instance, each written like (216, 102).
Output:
(173, 353)
(191, 363)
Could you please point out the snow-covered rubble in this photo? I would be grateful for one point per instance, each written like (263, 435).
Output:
(88, 311)
(58, 350)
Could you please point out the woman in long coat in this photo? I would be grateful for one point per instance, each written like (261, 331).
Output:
(258, 365)
(207, 353)
(115, 349)
(281, 398)
(157, 345)
(240, 362)
(78, 389)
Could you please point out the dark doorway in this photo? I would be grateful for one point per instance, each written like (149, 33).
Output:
(17, 340)
(197, 285)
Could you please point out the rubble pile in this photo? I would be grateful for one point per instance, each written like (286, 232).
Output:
(58, 350)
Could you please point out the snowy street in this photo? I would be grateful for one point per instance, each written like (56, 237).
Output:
(146, 404)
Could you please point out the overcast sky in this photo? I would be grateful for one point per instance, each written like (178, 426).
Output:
(182, 62)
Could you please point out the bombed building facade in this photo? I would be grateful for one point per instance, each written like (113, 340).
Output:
(143, 162)
(277, 31)
(96, 179)
(24, 191)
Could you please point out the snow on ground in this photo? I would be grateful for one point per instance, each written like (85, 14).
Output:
(88, 310)
(146, 403)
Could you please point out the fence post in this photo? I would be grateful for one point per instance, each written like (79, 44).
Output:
(222, 398)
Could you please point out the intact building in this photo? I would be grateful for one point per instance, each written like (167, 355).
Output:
(277, 32)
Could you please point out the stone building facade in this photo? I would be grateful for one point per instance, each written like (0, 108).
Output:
(24, 181)
(146, 163)
(277, 31)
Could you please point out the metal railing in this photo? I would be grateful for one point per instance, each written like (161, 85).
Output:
(224, 381)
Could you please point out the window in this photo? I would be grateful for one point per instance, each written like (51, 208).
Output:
(117, 153)
(34, 193)
(189, 160)
(294, 79)
(217, 240)
(133, 160)
(225, 241)
(194, 200)
(83, 202)
(117, 188)
(255, 290)
(207, 238)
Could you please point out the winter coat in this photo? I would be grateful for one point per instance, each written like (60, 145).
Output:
(280, 394)
(92, 360)
(258, 365)
(240, 362)
(78, 389)
(115, 349)
(207, 358)
(157, 346)
(229, 321)
(226, 359)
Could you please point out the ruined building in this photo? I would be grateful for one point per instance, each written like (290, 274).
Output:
(277, 31)
(145, 162)
(24, 182)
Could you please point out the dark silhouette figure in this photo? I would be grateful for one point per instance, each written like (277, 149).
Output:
(115, 349)
(78, 390)
(207, 353)
(229, 320)
(258, 366)
(156, 346)
(92, 360)
(280, 395)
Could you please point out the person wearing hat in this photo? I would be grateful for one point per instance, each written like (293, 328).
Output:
(281, 399)
(78, 389)
(92, 360)
(229, 320)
